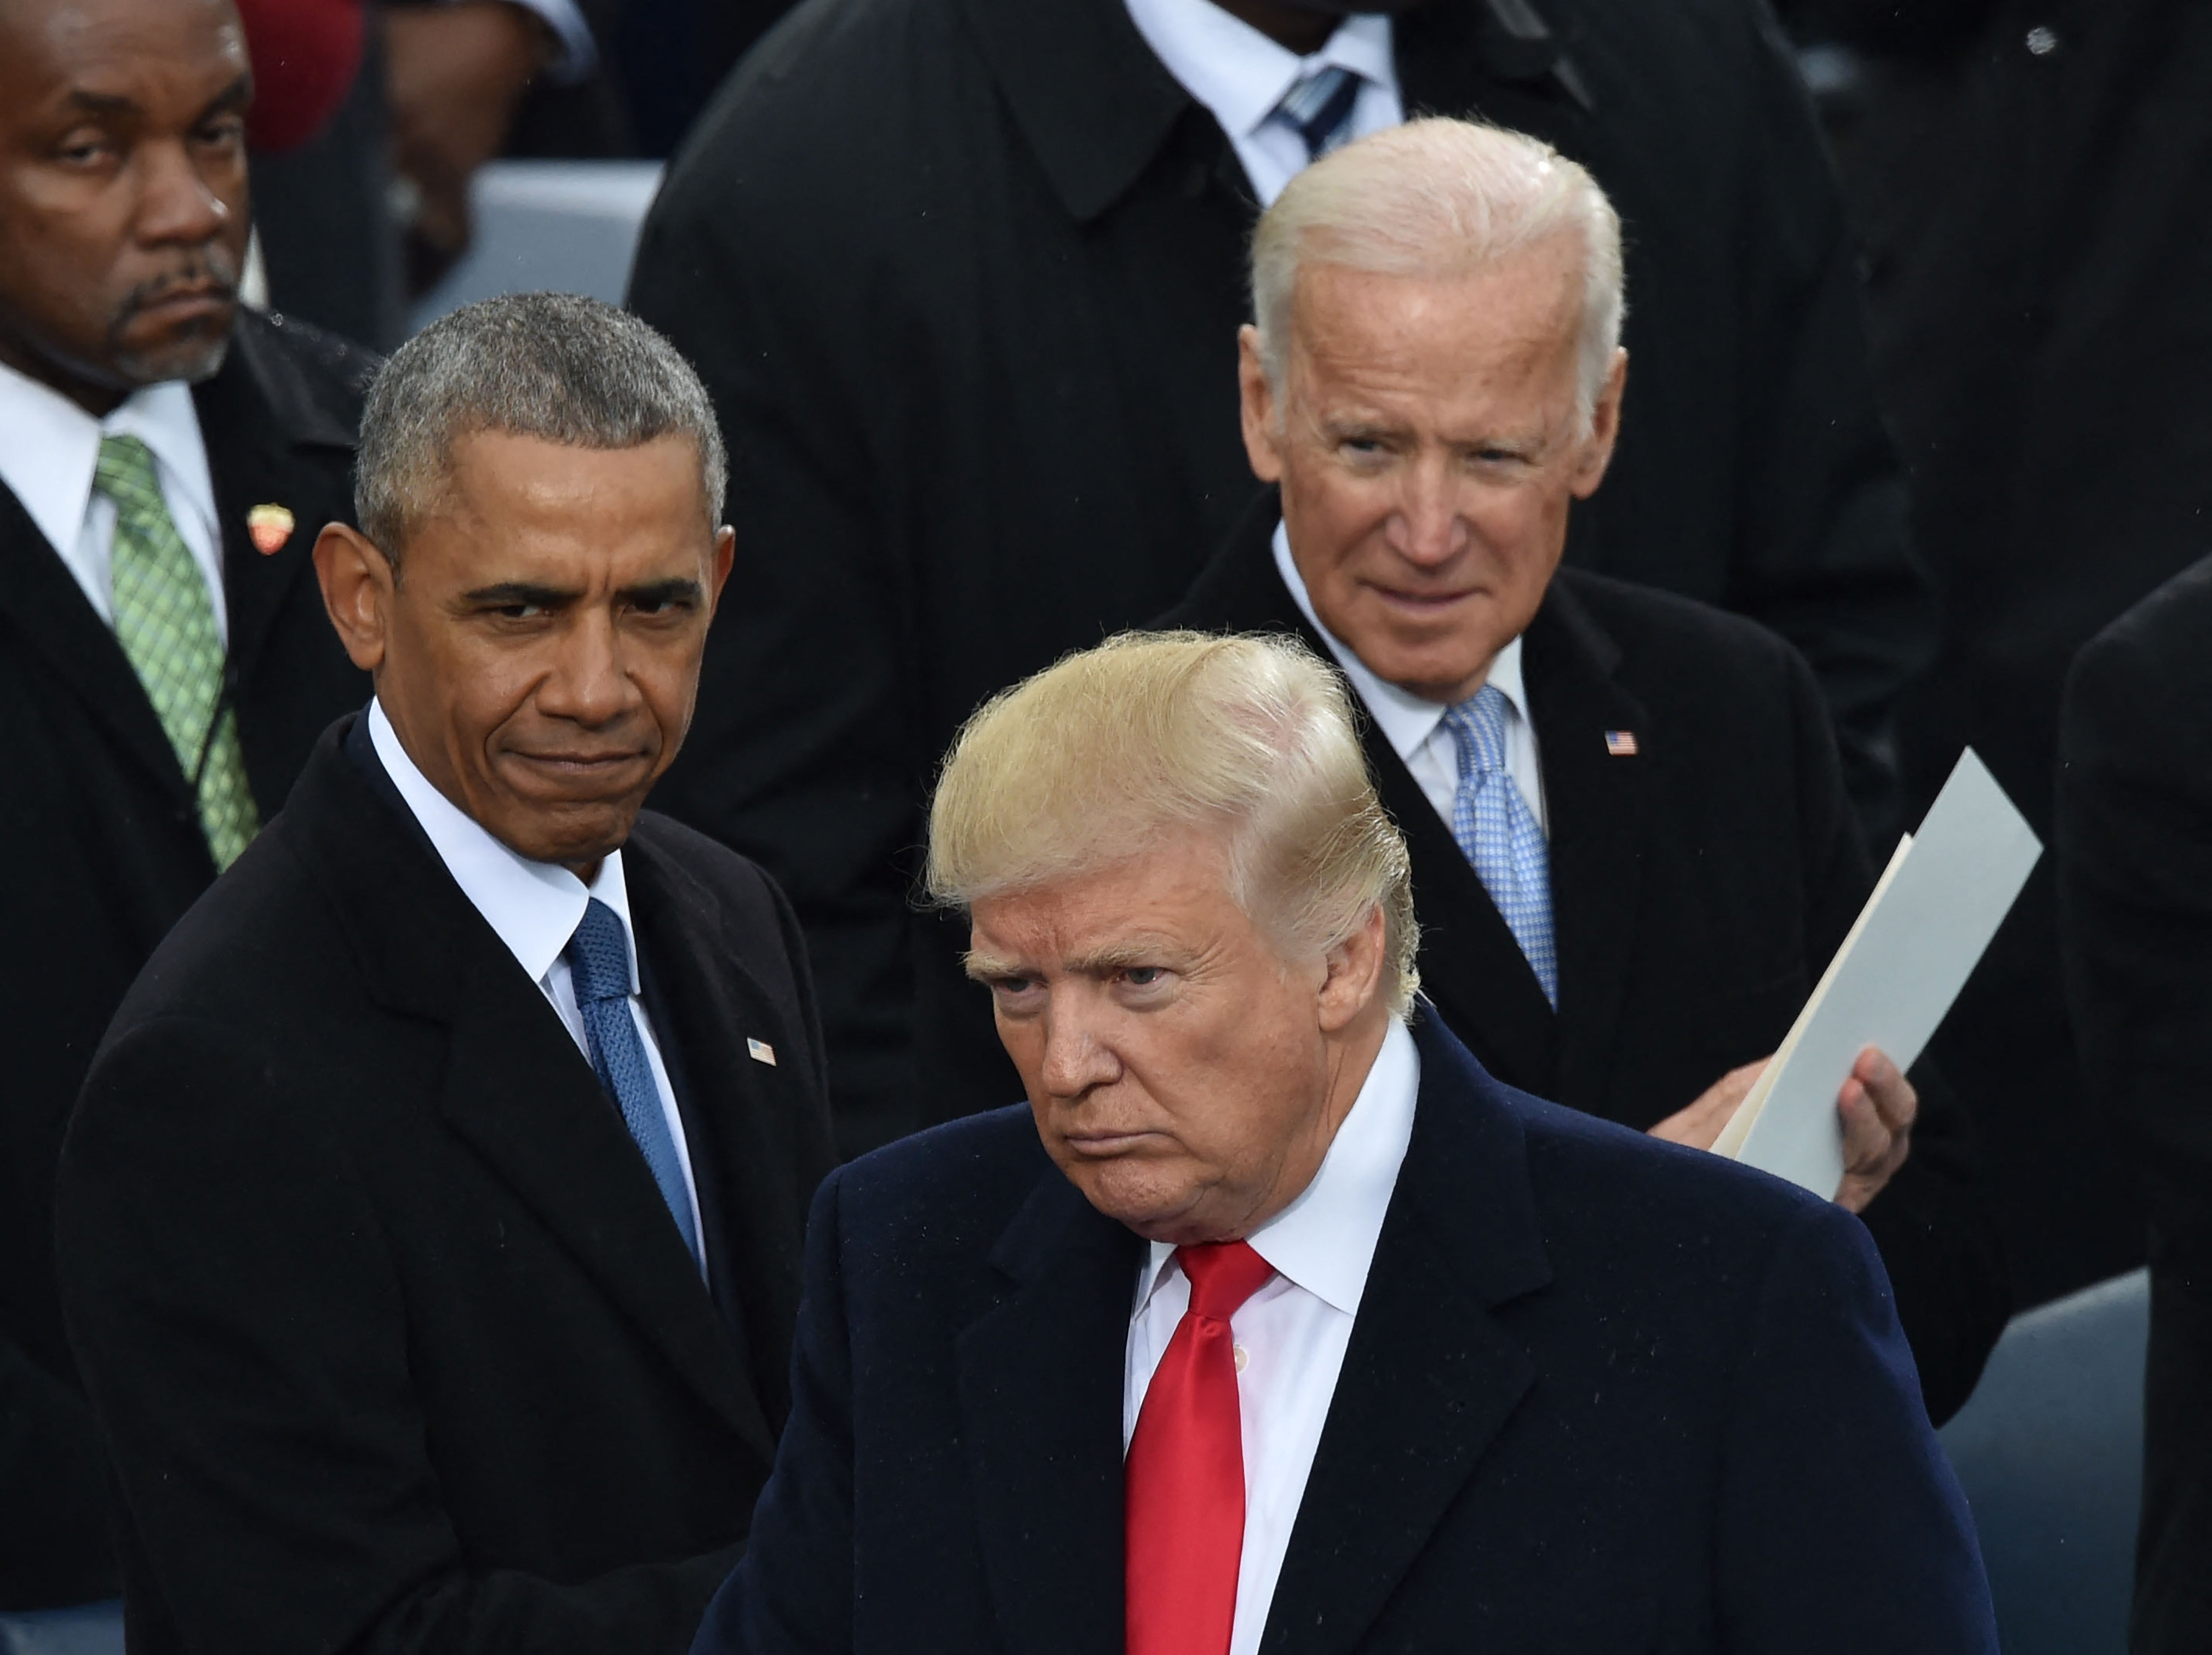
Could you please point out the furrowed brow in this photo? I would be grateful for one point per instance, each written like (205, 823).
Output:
(506, 593)
(678, 591)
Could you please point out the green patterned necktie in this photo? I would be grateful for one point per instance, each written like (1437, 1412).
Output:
(166, 624)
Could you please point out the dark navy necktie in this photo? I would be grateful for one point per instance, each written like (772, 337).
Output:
(1319, 108)
(598, 967)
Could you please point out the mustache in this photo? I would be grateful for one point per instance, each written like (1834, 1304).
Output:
(214, 268)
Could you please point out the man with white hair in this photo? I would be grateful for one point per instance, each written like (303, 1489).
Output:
(1271, 1317)
(1631, 844)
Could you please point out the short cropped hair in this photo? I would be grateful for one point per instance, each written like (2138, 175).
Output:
(555, 365)
(1438, 199)
(1084, 765)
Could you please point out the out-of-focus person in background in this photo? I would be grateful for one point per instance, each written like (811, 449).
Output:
(965, 278)
(429, 1224)
(2134, 888)
(1271, 1320)
(166, 459)
(2031, 179)
(1632, 852)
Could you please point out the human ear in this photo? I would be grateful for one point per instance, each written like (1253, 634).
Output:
(1262, 428)
(358, 586)
(1605, 430)
(1355, 974)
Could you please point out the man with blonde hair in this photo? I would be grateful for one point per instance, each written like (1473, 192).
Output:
(1271, 1317)
(1627, 821)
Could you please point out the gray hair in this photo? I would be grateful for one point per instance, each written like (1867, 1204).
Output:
(555, 365)
(1439, 198)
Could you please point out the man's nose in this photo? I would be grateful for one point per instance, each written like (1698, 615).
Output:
(176, 208)
(1430, 529)
(1075, 1059)
(589, 684)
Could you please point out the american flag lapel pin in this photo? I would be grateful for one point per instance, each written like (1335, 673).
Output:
(1621, 743)
(762, 1052)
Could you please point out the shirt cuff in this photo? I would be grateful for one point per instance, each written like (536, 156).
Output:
(577, 51)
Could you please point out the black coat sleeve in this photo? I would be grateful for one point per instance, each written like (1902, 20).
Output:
(1934, 1224)
(800, 754)
(200, 1220)
(1823, 556)
(54, 1547)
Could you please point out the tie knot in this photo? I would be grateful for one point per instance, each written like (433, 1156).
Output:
(1477, 725)
(124, 473)
(1223, 1276)
(598, 955)
(1319, 107)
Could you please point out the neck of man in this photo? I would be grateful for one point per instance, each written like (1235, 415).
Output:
(1353, 1051)
(95, 397)
(1294, 28)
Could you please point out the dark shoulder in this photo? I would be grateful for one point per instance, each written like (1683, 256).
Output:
(2139, 694)
(2165, 638)
(299, 362)
(735, 879)
(1671, 646)
(950, 1190)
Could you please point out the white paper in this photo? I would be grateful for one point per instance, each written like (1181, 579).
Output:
(1941, 900)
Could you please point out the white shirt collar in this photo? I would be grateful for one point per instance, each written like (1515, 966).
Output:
(1406, 720)
(534, 906)
(1241, 75)
(1324, 1241)
(49, 448)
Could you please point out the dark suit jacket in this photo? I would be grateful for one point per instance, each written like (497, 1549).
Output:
(964, 278)
(390, 1337)
(2135, 873)
(1698, 890)
(1602, 1394)
(98, 819)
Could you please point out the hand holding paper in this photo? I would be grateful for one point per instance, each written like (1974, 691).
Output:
(1876, 1107)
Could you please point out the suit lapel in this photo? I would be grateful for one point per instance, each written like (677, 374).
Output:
(1598, 802)
(1040, 1378)
(515, 1085)
(1431, 1377)
(256, 419)
(50, 613)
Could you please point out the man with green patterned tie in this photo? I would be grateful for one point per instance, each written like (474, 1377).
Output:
(166, 459)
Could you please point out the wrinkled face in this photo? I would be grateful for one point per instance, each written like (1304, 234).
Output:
(1426, 441)
(123, 192)
(540, 650)
(1184, 1075)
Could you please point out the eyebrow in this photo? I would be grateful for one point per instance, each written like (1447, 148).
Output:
(507, 592)
(231, 97)
(680, 590)
(102, 103)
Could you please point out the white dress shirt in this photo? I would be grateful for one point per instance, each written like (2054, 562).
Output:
(535, 908)
(49, 449)
(1241, 75)
(1415, 728)
(1292, 1335)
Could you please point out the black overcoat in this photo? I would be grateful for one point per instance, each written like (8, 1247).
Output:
(99, 824)
(965, 278)
(383, 1317)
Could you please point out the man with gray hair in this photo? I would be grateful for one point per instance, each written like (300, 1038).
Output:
(1271, 1320)
(430, 1223)
(1631, 842)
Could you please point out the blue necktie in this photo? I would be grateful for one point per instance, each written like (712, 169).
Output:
(598, 967)
(1319, 108)
(1497, 833)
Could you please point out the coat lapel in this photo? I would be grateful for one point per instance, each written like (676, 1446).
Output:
(1431, 1378)
(1041, 1377)
(515, 1086)
(256, 419)
(1599, 804)
(49, 613)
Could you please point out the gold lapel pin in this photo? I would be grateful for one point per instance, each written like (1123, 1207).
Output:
(269, 527)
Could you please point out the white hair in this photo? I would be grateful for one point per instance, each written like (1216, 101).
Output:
(1440, 198)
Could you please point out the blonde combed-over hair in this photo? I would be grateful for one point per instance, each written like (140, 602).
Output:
(1437, 198)
(1089, 763)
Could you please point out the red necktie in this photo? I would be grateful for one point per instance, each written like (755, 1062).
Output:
(1185, 1473)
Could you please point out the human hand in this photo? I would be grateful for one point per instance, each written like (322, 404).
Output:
(1703, 1121)
(454, 75)
(1878, 1106)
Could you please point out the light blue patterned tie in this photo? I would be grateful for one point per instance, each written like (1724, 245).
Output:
(1497, 833)
(1319, 108)
(598, 965)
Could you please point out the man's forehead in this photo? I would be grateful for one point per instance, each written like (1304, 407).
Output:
(101, 46)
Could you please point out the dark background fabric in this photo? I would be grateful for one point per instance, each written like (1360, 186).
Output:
(1602, 1394)
(1699, 889)
(387, 1327)
(101, 828)
(965, 277)
(2134, 858)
